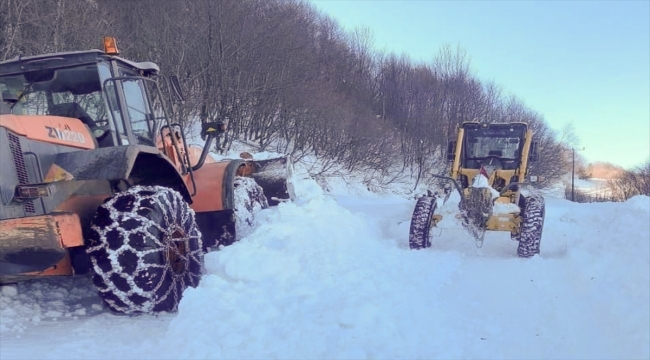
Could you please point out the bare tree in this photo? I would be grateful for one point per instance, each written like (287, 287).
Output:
(288, 78)
(631, 182)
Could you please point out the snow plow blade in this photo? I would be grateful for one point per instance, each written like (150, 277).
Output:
(272, 176)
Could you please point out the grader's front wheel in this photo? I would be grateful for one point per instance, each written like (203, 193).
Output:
(421, 222)
(532, 224)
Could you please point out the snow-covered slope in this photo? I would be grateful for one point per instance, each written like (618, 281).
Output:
(330, 276)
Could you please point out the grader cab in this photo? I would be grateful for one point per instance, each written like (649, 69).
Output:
(489, 164)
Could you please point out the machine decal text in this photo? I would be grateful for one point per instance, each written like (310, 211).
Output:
(65, 135)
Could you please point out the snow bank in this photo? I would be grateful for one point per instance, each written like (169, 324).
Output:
(313, 281)
(316, 281)
(331, 276)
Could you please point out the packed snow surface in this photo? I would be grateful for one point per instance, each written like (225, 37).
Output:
(330, 276)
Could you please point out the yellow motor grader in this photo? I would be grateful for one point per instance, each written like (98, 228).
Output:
(98, 177)
(489, 166)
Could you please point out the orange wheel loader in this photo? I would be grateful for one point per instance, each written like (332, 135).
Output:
(96, 177)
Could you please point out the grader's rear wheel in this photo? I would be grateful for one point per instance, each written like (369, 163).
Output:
(145, 249)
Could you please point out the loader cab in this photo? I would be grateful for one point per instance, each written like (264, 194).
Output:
(497, 146)
(118, 100)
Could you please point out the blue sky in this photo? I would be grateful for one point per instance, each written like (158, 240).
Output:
(585, 63)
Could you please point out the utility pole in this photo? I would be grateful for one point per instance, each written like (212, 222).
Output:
(573, 172)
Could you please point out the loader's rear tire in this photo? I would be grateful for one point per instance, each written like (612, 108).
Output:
(419, 235)
(532, 224)
(249, 199)
(145, 249)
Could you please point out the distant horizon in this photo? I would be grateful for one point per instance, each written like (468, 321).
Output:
(580, 63)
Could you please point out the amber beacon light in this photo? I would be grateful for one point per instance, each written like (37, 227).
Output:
(110, 45)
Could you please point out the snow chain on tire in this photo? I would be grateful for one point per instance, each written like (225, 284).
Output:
(532, 223)
(145, 249)
(419, 234)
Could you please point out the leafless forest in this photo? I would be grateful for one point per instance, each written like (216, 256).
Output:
(290, 79)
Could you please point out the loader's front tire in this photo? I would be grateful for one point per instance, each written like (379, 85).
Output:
(532, 224)
(145, 249)
(249, 199)
(419, 234)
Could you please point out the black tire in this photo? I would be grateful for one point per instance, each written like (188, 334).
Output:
(419, 234)
(249, 198)
(145, 249)
(532, 224)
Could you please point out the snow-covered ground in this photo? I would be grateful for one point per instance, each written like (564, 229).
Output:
(330, 276)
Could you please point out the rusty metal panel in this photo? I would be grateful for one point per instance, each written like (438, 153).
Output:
(37, 243)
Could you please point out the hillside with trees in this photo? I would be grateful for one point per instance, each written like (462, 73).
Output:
(288, 78)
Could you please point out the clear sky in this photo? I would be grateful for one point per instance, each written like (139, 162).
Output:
(585, 63)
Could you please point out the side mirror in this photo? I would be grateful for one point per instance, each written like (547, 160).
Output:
(213, 128)
(451, 150)
(9, 97)
(534, 156)
(7, 101)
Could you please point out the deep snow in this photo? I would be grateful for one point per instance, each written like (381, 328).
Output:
(330, 276)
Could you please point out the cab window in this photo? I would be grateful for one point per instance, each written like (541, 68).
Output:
(138, 111)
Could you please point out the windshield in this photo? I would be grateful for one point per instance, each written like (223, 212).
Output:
(71, 92)
(501, 141)
(76, 92)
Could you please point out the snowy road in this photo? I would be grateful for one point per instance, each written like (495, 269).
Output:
(331, 276)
